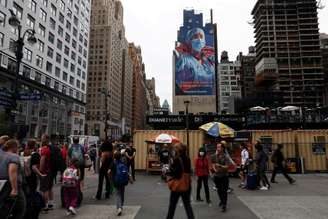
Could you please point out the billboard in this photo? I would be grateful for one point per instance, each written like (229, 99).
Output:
(195, 63)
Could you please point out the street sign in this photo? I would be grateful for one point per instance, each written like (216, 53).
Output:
(29, 96)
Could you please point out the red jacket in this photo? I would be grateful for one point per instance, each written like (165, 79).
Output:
(201, 166)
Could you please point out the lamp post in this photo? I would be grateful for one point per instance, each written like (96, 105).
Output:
(19, 44)
(106, 94)
(186, 103)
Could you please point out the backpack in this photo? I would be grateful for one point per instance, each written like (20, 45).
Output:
(70, 177)
(76, 152)
(56, 160)
(121, 177)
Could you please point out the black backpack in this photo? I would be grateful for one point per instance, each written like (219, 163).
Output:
(56, 160)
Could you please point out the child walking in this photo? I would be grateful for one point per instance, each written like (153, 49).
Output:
(71, 187)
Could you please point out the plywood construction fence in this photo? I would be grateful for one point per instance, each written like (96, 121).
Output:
(141, 136)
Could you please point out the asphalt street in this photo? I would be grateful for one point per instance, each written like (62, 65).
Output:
(148, 198)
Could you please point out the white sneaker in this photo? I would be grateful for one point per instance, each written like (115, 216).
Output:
(71, 209)
(264, 188)
(68, 213)
(119, 212)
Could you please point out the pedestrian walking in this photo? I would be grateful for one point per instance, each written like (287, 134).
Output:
(179, 181)
(261, 166)
(12, 197)
(106, 159)
(120, 175)
(130, 153)
(278, 160)
(71, 186)
(202, 172)
(220, 162)
(93, 156)
(3, 140)
(76, 152)
(245, 158)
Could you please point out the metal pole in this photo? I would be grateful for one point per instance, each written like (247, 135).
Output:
(187, 125)
(216, 64)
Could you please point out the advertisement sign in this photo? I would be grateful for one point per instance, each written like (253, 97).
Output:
(195, 63)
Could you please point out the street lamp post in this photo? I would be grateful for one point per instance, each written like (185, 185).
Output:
(19, 44)
(186, 102)
(106, 94)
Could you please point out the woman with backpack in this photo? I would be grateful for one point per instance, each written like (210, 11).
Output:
(179, 181)
(71, 187)
(120, 175)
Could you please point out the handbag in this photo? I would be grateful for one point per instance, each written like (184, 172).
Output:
(182, 184)
(87, 161)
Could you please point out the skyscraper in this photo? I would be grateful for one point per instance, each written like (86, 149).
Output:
(55, 66)
(288, 58)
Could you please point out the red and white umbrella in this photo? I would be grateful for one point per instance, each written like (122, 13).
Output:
(166, 139)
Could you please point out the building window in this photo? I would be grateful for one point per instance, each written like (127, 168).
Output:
(71, 80)
(52, 24)
(84, 64)
(57, 72)
(83, 86)
(12, 46)
(67, 38)
(61, 18)
(18, 11)
(62, 5)
(81, 38)
(2, 36)
(69, 13)
(2, 19)
(53, 10)
(68, 25)
(85, 42)
(79, 60)
(38, 77)
(85, 53)
(45, 2)
(76, 9)
(79, 72)
(40, 46)
(74, 32)
(73, 55)
(72, 67)
(58, 58)
(43, 15)
(70, 3)
(39, 61)
(42, 30)
(3, 3)
(78, 83)
(60, 31)
(50, 52)
(65, 63)
(65, 76)
(73, 43)
(30, 22)
(83, 74)
(59, 44)
(32, 5)
(26, 72)
(66, 51)
(51, 38)
(27, 55)
(48, 81)
(56, 85)
(80, 49)
(49, 67)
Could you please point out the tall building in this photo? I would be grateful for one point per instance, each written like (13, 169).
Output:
(152, 98)
(166, 105)
(194, 64)
(107, 40)
(228, 83)
(247, 73)
(56, 66)
(139, 95)
(288, 58)
(324, 52)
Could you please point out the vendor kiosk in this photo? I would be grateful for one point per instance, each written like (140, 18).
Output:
(153, 164)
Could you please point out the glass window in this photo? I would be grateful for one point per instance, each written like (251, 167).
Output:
(76, 9)
(84, 64)
(58, 58)
(52, 24)
(39, 61)
(61, 18)
(72, 67)
(60, 31)
(74, 32)
(79, 72)
(18, 11)
(50, 52)
(49, 67)
(85, 53)
(59, 44)
(42, 30)
(81, 38)
(2, 19)
(71, 80)
(27, 55)
(80, 49)
(79, 60)
(68, 25)
(45, 2)
(65, 76)
(30, 22)
(73, 43)
(73, 55)
(57, 72)
(83, 74)
(69, 13)
(83, 86)
(78, 83)
(3, 3)
(43, 15)
(53, 10)
(65, 63)
(51, 38)
(31, 5)
(40, 46)
(70, 3)
(2, 36)
(66, 51)
(62, 5)
(67, 38)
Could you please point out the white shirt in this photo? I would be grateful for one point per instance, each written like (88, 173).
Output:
(244, 156)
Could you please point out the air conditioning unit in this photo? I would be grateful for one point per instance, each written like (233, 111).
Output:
(4, 61)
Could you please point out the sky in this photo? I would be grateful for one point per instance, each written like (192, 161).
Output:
(153, 24)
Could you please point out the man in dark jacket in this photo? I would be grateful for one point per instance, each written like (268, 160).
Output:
(278, 159)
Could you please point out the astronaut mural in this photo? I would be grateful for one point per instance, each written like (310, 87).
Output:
(195, 65)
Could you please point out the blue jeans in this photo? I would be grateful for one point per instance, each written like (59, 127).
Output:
(120, 196)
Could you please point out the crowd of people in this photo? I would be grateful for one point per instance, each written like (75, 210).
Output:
(28, 174)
